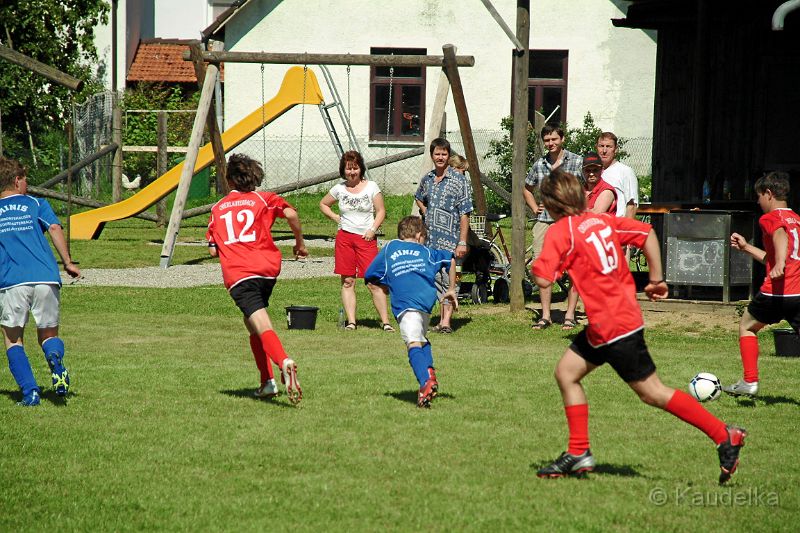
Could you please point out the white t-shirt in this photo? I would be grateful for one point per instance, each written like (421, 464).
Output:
(357, 210)
(621, 176)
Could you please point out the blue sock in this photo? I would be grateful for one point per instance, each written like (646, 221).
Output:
(417, 359)
(53, 345)
(21, 369)
(428, 355)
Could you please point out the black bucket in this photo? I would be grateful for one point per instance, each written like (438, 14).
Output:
(787, 342)
(301, 316)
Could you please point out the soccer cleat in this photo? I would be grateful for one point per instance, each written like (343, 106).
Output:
(568, 465)
(742, 388)
(427, 392)
(432, 376)
(268, 389)
(31, 399)
(729, 452)
(59, 373)
(289, 378)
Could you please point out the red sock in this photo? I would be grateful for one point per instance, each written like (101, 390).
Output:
(689, 410)
(262, 362)
(272, 347)
(748, 347)
(578, 423)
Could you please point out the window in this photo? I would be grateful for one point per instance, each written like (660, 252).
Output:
(547, 84)
(406, 114)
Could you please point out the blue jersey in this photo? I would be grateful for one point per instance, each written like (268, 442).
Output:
(408, 269)
(25, 255)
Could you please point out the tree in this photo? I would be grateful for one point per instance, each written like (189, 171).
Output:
(59, 33)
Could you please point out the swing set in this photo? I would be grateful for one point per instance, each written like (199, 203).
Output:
(302, 83)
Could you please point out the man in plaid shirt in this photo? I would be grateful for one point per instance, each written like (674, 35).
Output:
(556, 157)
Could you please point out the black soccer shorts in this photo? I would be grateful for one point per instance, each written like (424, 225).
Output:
(773, 309)
(252, 294)
(628, 356)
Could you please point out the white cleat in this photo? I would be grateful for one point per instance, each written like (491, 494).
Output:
(268, 389)
(742, 388)
(289, 377)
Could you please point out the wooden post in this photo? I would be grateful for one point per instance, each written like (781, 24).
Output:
(188, 166)
(162, 161)
(519, 157)
(434, 129)
(211, 122)
(116, 165)
(451, 68)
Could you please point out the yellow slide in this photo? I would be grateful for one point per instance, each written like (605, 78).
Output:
(89, 224)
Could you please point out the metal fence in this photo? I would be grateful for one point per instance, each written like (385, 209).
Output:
(290, 159)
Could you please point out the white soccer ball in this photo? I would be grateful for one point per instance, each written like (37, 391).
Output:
(705, 387)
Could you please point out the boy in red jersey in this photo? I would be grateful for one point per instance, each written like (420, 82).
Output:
(239, 232)
(779, 296)
(589, 247)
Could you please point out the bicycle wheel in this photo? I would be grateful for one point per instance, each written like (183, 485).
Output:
(499, 260)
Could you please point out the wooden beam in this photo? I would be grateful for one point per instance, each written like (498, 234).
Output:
(330, 59)
(211, 121)
(496, 16)
(51, 73)
(188, 166)
(451, 68)
(116, 165)
(79, 200)
(156, 149)
(519, 163)
(162, 165)
(58, 178)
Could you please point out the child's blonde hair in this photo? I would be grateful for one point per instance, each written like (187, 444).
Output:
(410, 226)
(459, 163)
(562, 194)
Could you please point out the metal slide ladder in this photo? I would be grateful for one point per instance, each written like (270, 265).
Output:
(326, 116)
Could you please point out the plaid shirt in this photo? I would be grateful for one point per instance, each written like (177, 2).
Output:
(571, 163)
(446, 202)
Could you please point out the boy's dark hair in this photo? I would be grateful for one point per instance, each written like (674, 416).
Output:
(244, 173)
(441, 143)
(562, 194)
(352, 156)
(552, 128)
(10, 169)
(410, 226)
(777, 182)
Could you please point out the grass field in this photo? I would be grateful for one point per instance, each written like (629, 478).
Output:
(161, 431)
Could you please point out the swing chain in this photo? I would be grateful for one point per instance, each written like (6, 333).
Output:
(263, 119)
(302, 120)
(348, 95)
(388, 121)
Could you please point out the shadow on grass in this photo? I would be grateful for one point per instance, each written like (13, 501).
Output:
(602, 468)
(247, 394)
(410, 396)
(767, 400)
(46, 396)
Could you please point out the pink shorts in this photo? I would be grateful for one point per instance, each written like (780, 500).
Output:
(353, 254)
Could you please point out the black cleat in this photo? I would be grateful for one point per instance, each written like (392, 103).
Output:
(569, 465)
(729, 452)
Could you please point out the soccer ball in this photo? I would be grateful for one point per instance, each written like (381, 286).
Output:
(705, 387)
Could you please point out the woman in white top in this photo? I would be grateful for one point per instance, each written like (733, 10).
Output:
(361, 212)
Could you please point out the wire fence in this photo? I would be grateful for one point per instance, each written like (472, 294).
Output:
(289, 159)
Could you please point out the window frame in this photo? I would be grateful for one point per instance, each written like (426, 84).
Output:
(397, 84)
(537, 85)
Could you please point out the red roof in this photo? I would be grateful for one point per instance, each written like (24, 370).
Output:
(161, 60)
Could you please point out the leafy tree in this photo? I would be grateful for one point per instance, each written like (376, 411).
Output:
(59, 33)
(584, 139)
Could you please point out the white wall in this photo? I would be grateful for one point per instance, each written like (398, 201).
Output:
(180, 19)
(611, 70)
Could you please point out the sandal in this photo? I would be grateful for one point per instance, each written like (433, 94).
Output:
(541, 324)
(445, 329)
(387, 327)
(350, 326)
(569, 324)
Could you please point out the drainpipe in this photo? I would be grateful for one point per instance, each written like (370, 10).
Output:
(780, 13)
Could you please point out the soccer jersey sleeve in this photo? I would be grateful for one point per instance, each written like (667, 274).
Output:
(278, 202)
(377, 269)
(557, 243)
(630, 231)
(46, 215)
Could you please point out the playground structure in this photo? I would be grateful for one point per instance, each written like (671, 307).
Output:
(89, 224)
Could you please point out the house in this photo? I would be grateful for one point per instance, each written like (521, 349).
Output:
(580, 63)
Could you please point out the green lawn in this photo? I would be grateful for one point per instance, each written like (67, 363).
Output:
(161, 432)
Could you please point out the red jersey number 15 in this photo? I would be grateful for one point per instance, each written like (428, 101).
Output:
(606, 251)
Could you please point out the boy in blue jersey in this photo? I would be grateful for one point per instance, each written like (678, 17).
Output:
(30, 281)
(408, 269)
